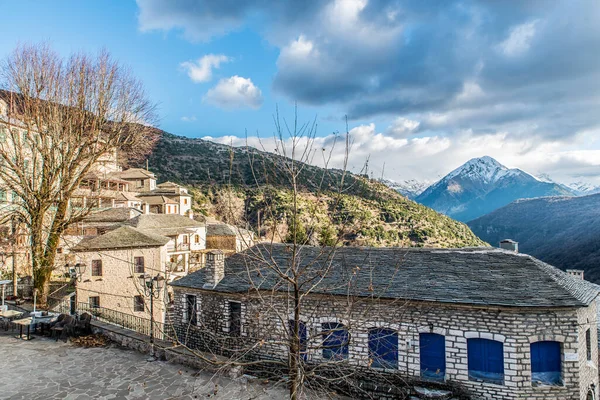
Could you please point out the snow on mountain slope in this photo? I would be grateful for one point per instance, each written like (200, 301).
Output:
(482, 185)
(409, 188)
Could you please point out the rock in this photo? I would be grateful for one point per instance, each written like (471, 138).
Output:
(433, 394)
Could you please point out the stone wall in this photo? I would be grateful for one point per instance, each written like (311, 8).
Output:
(516, 328)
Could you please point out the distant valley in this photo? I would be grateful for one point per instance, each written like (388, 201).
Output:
(562, 231)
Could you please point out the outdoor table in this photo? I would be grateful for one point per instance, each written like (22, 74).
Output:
(24, 322)
(10, 314)
(44, 321)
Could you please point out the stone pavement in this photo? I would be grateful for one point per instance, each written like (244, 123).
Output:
(44, 369)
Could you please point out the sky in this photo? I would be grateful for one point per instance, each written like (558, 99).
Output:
(424, 85)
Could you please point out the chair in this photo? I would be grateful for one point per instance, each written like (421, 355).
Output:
(61, 328)
(83, 327)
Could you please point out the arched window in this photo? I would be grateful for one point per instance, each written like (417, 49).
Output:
(383, 348)
(303, 337)
(432, 347)
(486, 360)
(546, 368)
(196, 239)
(335, 341)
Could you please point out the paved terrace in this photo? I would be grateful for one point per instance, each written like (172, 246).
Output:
(45, 369)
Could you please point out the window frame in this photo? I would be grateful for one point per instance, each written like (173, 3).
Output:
(139, 303)
(485, 346)
(333, 351)
(95, 303)
(376, 336)
(588, 344)
(137, 265)
(425, 373)
(95, 265)
(235, 321)
(539, 364)
(191, 309)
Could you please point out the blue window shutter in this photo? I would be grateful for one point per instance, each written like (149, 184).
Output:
(303, 337)
(433, 355)
(383, 348)
(485, 360)
(335, 341)
(546, 363)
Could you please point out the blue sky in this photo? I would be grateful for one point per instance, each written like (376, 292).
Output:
(426, 85)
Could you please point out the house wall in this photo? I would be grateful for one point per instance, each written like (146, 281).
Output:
(517, 328)
(221, 242)
(119, 283)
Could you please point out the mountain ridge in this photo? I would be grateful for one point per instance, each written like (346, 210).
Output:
(377, 215)
(482, 185)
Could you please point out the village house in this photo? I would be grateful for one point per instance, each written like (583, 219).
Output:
(168, 198)
(141, 180)
(501, 324)
(114, 261)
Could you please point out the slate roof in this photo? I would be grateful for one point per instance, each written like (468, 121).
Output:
(121, 238)
(164, 224)
(156, 199)
(125, 196)
(220, 230)
(136, 173)
(474, 276)
(119, 214)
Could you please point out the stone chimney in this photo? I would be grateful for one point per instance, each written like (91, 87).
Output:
(578, 273)
(511, 245)
(214, 270)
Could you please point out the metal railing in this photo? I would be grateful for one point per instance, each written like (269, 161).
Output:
(118, 318)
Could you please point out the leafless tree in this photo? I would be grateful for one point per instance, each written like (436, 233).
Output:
(65, 117)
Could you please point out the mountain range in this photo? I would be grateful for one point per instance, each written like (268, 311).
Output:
(562, 231)
(364, 212)
(483, 185)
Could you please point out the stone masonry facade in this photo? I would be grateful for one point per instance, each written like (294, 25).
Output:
(515, 327)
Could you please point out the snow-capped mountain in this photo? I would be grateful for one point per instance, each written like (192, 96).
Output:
(584, 188)
(409, 188)
(482, 185)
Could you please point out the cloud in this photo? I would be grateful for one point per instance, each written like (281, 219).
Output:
(519, 39)
(429, 158)
(520, 68)
(235, 92)
(201, 70)
(188, 119)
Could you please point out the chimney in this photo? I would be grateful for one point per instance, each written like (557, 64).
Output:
(214, 270)
(578, 273)
(511, 245)
(146, 207)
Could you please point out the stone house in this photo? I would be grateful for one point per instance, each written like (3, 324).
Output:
(141, 180)
(501, 324)
(114, 261)
(168, 198)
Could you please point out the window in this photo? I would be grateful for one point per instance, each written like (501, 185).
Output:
(94, 301)
(335, 341)
(138, 303)
(486, 360)
(191, 309)
(433, 355)
(235, 318)
(383, 348)
(96, 267)
(140, 183)
(185, 201)
(588, 345)
(138, 265)
(303, 337)
(196, 239)
(185, 239)
(546, 363)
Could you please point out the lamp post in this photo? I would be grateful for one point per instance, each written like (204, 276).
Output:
(152, 288)
(75, 272)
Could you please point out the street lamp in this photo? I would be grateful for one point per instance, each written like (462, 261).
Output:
(152, 288)
(75, 272)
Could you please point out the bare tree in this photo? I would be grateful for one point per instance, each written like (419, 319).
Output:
(65, 118)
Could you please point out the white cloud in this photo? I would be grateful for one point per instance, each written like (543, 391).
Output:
(519, 39)
(235, 92)
(401, 127)
(202, 69)
(431, 157)
(188, 119)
